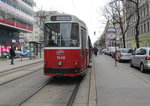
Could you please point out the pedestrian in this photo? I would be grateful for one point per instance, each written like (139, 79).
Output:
(12, 54)
(95, 51)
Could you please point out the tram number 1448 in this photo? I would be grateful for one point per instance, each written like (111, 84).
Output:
(61, 57)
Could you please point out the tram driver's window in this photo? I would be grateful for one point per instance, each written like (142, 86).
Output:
(52, 43)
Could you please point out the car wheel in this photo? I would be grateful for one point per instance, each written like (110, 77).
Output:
(131, 65)
(142, 68)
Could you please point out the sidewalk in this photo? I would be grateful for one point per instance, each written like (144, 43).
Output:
(5, 65)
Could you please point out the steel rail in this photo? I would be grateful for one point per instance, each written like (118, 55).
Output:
(74, 93)
(18, 69)
(32, 93)
(20, 77)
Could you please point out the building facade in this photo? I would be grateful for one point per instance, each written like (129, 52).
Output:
(15, 16)
(144, 25)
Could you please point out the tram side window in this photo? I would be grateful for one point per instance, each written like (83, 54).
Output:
(74, 35)
(83, 36)
(52, 35)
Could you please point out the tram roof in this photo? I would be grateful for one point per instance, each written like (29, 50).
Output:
(73, 19)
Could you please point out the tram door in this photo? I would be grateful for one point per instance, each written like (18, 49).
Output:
(83, 47)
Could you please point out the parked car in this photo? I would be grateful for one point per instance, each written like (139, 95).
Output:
(124, 54)
(18, 53)
(25, 54)
(4, 55)
(141, 59)
(104, 51)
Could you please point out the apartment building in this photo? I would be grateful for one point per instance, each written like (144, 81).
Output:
(144, 26)
(15, 16)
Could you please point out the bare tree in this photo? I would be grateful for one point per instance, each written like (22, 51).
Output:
(135, 9)
(41, 17)
(114, 11)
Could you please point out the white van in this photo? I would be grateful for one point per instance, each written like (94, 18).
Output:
(111, 50)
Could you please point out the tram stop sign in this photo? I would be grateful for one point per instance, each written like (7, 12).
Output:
(21, 40)
(111, 36)
(111, 33)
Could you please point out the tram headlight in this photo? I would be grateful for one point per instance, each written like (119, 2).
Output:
(76, 63)
(60, 63)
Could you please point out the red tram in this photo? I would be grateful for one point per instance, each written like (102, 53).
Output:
(67, 46)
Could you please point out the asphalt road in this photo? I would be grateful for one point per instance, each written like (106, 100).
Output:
(12, 92)
(120, 85)
(56, 93)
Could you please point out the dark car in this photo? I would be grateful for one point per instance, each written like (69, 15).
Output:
(18, 53)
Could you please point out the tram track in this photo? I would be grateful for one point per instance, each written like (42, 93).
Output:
(11, 75)
(69, 101)
(32, 93)
(20, 67)
(74, 93)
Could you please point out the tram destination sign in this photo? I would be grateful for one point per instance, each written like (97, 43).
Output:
(61, 18)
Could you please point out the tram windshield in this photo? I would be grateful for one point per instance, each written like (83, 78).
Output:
(61, 35)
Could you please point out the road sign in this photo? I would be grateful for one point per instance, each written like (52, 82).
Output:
(111, 30)
(21, 40)
(111, 36)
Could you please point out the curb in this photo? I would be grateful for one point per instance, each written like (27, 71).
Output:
(92, 93)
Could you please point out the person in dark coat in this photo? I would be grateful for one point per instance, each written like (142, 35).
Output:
(12, 54)
(95, 51)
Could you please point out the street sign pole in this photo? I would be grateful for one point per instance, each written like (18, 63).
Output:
(115, 52)
(21, 41)
(21, 52)
(111, 34)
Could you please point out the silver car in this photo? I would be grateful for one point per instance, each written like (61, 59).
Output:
(141, 59)
(124, 54)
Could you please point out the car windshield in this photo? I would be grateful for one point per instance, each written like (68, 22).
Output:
(61, 35)
(130, 51)
(127, 51)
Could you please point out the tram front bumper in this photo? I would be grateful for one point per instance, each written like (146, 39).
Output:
(62, 71)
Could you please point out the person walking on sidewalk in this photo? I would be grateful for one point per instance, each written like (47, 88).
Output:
(12, 54)
(95, 50)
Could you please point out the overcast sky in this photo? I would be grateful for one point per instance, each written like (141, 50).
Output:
(87, 10)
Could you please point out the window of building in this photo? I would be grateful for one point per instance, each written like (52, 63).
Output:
(144, 12)
(141, 14)
(147, 7)
(144, 28)
(141, 29)
(148, 27)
